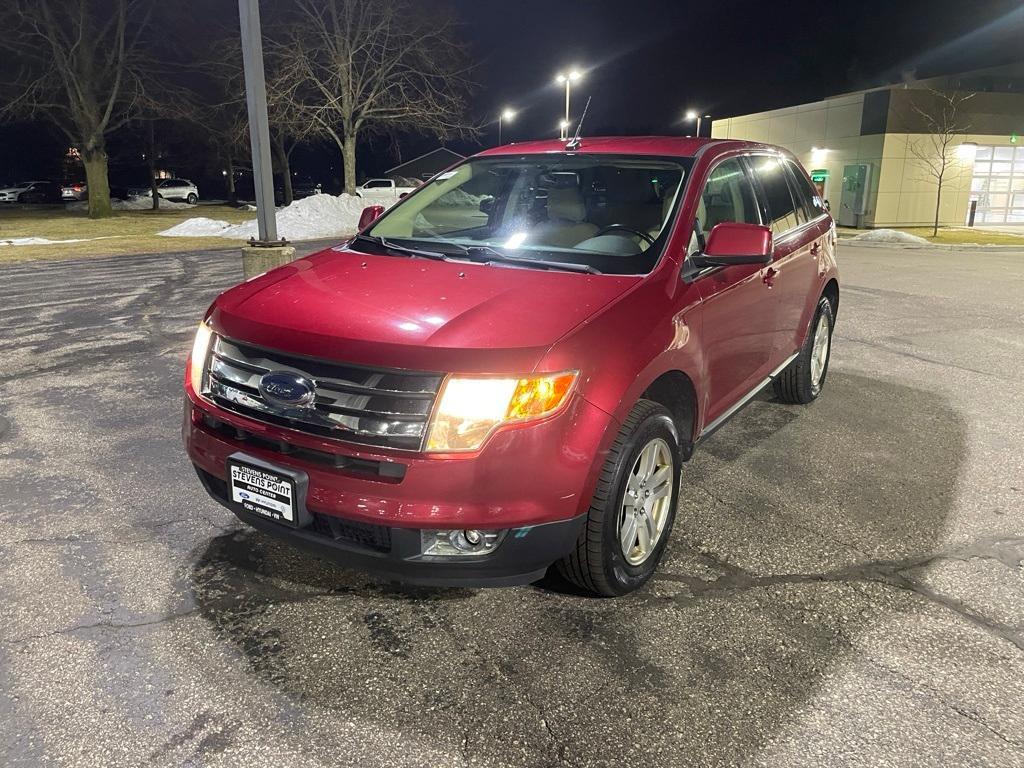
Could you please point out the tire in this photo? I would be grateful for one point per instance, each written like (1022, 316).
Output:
(801, 382)
(599, 563)
(192, 198)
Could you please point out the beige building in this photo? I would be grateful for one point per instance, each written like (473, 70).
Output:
(860, 150)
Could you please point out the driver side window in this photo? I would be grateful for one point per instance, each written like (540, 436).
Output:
(727, 196)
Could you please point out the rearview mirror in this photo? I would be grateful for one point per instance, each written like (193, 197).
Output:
(369, 215)
(486, 205)
(731, 243)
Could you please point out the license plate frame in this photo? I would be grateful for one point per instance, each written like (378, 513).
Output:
(268, 491)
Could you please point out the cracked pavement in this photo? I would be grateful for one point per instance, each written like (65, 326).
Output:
(844, 585)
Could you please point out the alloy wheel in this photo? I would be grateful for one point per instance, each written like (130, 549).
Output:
(646, 502)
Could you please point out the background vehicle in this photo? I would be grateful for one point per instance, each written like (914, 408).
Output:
(31, 192)
(75, 190)
(507, 369)
(382, 190)
(180, 190)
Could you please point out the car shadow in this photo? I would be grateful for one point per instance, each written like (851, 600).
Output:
(792, 520)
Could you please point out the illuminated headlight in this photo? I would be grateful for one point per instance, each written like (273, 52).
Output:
(457, 543)
(197, 360)
(469, 409)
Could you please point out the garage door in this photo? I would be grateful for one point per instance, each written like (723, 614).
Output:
(998, 185)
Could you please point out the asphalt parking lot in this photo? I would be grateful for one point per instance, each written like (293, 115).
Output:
(844, 585)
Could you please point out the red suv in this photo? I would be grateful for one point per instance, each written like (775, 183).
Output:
(507, 369)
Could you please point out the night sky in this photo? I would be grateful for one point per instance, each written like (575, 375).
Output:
(647, 61)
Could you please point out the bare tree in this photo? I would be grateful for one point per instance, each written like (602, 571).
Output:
(942, 119)
(80, 66)
(353, 67)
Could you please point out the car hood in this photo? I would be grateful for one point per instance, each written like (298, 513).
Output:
(415, 313)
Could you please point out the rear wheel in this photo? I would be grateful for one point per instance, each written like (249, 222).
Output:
(633, 507)
(803, 379)
(192, 198)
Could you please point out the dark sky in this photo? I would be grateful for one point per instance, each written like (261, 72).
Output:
(649, 60)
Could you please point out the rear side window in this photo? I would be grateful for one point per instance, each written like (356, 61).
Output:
(727, 196)
(782, 211)
(806, 192)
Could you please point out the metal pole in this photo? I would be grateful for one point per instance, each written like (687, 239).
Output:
(565, 131)
(698, 126)
(499, 130)
(259, 127)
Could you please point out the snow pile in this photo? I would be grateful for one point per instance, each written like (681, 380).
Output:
(47, 241)
(889, 236)
(133, 204)
(311, 218)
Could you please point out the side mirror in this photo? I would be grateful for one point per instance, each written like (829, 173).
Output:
(731, 243)
(369, 215)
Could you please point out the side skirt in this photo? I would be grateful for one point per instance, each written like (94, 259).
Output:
(739, 404)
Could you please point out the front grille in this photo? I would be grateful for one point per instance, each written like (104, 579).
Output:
(370, 406)
(377, 537)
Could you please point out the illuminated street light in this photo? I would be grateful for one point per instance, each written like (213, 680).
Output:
(563, 129)
(568, 78)
(694, 115)
(507, 115)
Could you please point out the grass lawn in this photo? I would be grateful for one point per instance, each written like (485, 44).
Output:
(125, 232)
(954, 235)
(964, 235)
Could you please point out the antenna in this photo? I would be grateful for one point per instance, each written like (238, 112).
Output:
(574, 143)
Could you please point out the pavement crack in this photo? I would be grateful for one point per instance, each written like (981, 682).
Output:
(102, 625)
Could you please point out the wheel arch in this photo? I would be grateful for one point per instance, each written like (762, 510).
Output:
(676, 391)
(831, 292)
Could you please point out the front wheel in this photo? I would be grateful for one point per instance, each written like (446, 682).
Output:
(633, 507)
(192, 198)
(802, 380)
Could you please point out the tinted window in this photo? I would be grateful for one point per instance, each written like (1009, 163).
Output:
(727, 196)
(376, 183)
(806, 191)
(781, 208)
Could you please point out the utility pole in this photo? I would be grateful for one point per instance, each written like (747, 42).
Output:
(259, 127)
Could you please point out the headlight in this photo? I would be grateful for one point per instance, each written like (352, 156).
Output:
(197, 360)
(470, 408)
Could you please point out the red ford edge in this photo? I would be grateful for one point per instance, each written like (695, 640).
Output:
(507, 369)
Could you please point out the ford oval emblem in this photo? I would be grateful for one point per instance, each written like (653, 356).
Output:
(287, 388)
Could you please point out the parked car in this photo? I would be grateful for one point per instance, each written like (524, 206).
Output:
(75, 190)
(300, 188)
(383, 190)
(473, 392)
(31, 192)
(180, 190)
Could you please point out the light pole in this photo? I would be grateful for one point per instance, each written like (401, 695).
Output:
(563, 129)
(507, 115)
(568, 78)
(692, 115)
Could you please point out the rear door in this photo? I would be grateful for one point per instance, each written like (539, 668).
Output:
(737, 306)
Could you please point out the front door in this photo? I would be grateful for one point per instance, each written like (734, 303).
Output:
(738, 307)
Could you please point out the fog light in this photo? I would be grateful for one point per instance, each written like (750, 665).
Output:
(448, 543)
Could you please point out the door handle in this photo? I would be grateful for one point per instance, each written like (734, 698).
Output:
(769, 276)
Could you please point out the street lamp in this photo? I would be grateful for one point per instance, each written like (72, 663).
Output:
(568, 78)
(507, 115)
(563, 129)
(693, 115)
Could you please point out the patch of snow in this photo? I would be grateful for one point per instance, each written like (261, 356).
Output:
(46, 241)
(889, 236)
(133, 204)
(311, 218)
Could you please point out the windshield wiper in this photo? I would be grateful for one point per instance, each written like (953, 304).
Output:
(395, 248)
(493, 254)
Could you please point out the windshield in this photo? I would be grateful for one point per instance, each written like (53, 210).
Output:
(607, 212)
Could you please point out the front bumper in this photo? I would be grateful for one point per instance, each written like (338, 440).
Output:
(534, 482)
(522, 557)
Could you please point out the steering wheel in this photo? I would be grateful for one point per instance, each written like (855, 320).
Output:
(612, 227)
